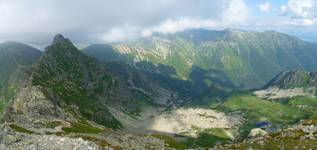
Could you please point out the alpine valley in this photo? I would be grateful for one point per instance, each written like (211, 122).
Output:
(195, 89)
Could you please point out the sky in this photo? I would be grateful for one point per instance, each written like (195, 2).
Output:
(102, 21)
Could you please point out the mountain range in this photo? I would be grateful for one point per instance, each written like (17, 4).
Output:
(192, 89)
(247, 59)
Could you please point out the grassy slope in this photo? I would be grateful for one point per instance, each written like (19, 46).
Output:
(280, 113)
(256, 110)
(289, 138)
(205, 138)
(281, 140)
(208, 138)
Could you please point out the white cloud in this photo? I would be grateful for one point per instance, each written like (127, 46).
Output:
(297, 22)
(300, 12)
(301, 8)
(309, 22)
(121, 33)
(227, 19)
(265, 7)
(127, 32)
(38, 20)
(236, 12)
(283, 9)
(172, 26)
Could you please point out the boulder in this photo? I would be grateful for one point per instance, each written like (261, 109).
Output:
(257, 132)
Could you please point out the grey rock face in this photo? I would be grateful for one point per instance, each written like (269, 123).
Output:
(16, 141)
(257, 132)
(31, 106)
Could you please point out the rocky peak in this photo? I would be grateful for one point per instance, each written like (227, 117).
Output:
(61, 45)
(74, 79)
(59, 39)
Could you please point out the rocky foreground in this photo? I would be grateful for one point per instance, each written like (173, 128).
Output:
(302, 137)
(18, 141)
(18, 138)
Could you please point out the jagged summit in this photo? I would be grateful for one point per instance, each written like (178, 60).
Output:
(61, 45)
(59, 38)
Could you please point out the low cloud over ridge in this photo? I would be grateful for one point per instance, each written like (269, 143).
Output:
(35, 21)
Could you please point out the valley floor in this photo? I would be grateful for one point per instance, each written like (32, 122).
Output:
(180, 121)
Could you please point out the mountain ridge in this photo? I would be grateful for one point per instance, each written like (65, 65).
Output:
(62, 80)
(239, 55)
(294, 79)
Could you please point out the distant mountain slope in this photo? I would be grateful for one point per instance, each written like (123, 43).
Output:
(294, 79)
(14, 59)
(161, 89)
(290, 84)
(248, 59)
